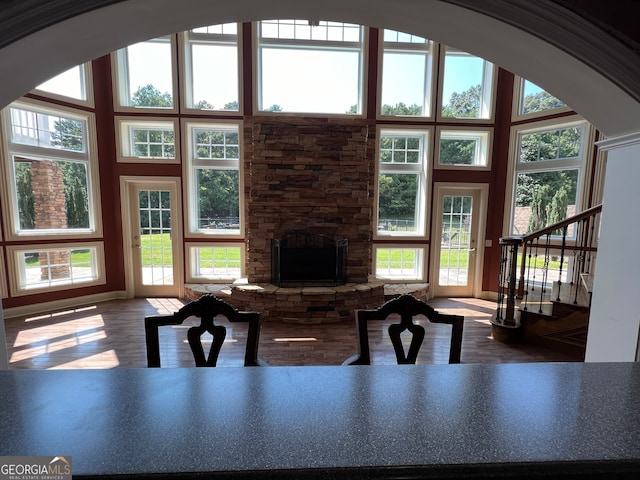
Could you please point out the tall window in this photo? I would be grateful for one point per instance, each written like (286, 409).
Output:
(214, 178)
(402, 182)
(549, 174)
(309, 67)
(145, 75)
(407, 75)
(51, 172)
(211, 68)
(467, 86)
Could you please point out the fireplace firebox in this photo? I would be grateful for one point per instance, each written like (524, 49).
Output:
(305, 259)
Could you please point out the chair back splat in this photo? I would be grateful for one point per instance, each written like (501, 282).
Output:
(206, 308)
(407, 307)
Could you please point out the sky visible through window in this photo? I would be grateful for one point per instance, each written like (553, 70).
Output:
(289, 78)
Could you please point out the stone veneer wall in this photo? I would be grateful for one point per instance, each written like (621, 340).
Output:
(309, 174)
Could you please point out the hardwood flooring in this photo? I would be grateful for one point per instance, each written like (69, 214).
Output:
(111, 334)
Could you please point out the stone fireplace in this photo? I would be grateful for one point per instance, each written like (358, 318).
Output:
(302, 259)
(311, 175)
(314, 177)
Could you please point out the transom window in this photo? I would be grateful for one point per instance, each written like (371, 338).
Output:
(463, 148)
(146, 140)
(401, 182)
(211, 68)
(56, 268)
(215, 261)
(313, 67)
(394, 263)
(407, 75)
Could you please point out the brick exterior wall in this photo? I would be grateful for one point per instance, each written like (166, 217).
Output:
(314, 175)
(47, 183)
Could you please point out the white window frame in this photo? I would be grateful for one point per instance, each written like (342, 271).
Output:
(518, 99)
(4, 291)
(488, 93)
(120, 79)
(124, 145)
(312, 44)
(427, 49)
(18, 280)
(421, 169)
(582, 163)
(192, 252)
(86, 80)
(484, 142)
(89, 157)
(190, 166)
(420, 269)
(191, 37)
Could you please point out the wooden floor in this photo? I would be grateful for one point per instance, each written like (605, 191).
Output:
(111, 334)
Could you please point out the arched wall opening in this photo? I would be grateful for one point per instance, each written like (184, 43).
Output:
(562, 63)
(605, 102)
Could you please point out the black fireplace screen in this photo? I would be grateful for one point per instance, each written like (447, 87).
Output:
(304, 259)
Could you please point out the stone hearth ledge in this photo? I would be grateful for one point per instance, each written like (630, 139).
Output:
(306, 304)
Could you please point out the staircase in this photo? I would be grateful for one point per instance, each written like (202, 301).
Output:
(546, 283)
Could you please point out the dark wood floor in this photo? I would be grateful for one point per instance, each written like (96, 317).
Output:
(111, 334)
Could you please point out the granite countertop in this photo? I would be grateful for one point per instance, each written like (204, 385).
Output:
(446, 421)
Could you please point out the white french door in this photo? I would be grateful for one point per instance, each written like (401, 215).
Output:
(456, 250)
(153, 238)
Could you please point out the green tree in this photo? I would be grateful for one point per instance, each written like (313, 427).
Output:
(76, 204)
(204, 105)
(541, 198)
(539, 102)
(231, 106)
(274, 108)
(457, 151)
(26, 205)
(218, 193)
(414, 110)
(397, 196)
(150, 96)
(463, 105)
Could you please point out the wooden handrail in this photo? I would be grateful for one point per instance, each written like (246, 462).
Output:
(516, 284)
(564, 223)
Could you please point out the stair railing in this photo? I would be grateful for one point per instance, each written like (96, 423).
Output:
(525, 276)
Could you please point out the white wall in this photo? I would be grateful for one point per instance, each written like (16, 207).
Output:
(614, 323)
(4, 354)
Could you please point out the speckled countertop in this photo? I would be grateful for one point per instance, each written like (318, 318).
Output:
(327, 422)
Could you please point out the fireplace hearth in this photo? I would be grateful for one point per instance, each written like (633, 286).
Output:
(305, 259)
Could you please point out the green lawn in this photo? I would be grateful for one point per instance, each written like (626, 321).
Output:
(156, 250)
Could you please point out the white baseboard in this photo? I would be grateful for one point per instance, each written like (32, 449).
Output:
(62, 304)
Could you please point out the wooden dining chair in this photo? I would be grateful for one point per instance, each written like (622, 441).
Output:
(206, 308)
(408, 307)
